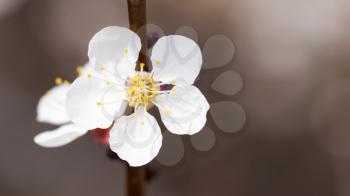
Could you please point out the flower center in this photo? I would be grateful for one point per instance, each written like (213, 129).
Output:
(142, 89)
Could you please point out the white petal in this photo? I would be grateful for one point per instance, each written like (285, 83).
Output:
(176, 57)
(51, 106)
(183, 111)
(93, 103)
(115, 50)
(59, 137)
(87, 68)
(136, 138)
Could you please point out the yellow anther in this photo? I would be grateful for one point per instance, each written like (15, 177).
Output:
(79, 69)
(173, 89)
(126, 50)
(58, 81)
(142, 65)
(98, 103)
(108, 82)
(141, 90)
(167, 112)
(157, 62)
(142, 122)
(131, 91)
(173, 82)
(133, 116)
(66, 82)
(102, 68)
(88, 75)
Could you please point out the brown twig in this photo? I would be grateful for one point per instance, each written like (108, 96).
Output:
(135, 180)
(137, 22)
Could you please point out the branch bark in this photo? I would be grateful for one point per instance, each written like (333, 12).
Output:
(135, 180)
(137, 23)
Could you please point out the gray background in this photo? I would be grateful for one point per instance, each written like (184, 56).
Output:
(293, 57)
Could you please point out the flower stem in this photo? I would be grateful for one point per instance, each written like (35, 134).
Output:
(137, 22)
(135, 180)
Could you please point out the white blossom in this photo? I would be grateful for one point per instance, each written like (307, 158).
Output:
(51, 109)
(100, 97)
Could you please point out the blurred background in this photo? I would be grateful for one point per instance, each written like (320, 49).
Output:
(279, 98)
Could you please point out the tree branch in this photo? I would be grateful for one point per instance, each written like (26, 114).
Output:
(137, 22)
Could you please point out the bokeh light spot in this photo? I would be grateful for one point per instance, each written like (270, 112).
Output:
(228, 83)
(217, 51)
(204, 140)
(188, 32)
(172, 150)
(228, 116)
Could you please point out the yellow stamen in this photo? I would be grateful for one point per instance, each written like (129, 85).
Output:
(157, 62)
(98, 103)
(66, 82)
(142, 89)
(88, 75)
(126, 50)
(58, 81)
(102, 68)
(79, 69)
(167, 112)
